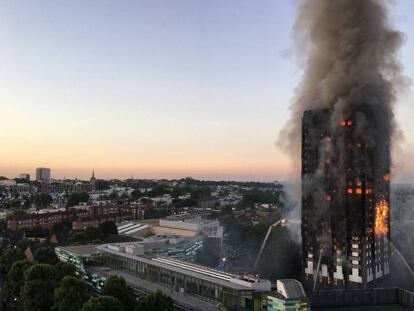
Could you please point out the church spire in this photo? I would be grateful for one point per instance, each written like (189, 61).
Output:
(93, 180)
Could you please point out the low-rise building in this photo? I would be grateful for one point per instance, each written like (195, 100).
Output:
(8, 182)
(170, 245)
(289, 296)
(45, 220)
(81, 217)
(192, 287)
(173, 246)
(24, 176)
(190, 226)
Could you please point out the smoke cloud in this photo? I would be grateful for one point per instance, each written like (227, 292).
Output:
(349, 53)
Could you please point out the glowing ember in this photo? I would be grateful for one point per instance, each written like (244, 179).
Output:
(381, 218)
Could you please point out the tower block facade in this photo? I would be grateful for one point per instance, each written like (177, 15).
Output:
(345, 203)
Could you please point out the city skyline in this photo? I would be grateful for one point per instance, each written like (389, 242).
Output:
(158, 90)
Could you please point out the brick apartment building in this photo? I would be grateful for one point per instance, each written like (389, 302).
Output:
(45, 221)
(94, 222)
(92, 216)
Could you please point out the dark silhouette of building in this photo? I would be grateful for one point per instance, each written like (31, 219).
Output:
(345, 205)
(93, 181)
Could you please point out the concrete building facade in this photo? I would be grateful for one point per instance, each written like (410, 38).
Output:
(42, 174)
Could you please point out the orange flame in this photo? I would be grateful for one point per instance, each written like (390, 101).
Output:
(381, 218)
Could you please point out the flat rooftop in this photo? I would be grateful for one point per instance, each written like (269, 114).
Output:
(163, 241)
(131, 227)
(81, 249)
(195, 219)
(224, 279)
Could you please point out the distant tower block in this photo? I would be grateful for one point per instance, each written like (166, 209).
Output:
(43, 174)
(345, 205)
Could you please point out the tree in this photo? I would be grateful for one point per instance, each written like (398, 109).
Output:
(15, 277)
(43, 200)
(8, 257)
(251, 197)
(37, 231)
(159, 190)
(65, 269)
(40, 283)
(93, 234)
(180, 190)
(46, 255)
(70, 295)
(156, 302)
(18, 214)
(154, 213)
(102, 303)
(63, 227)
(227, 210)
(101, 184)
(108, 227)
(24, 243)
(201, 193)
(145, 201)
(136, 194)
(116, 286)
(180, 203)
(87, 235)
(77, 197)
(77, 238)
(22, 181)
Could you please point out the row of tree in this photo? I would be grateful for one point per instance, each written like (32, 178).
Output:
(42, 200)
(254, 196)
(47, 284)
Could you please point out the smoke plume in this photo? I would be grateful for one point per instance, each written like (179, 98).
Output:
(349, 53)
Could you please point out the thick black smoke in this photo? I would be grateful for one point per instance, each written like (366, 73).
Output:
(349, 52)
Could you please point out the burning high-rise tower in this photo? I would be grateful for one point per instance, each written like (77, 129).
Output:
(343, 125)
(345, 204)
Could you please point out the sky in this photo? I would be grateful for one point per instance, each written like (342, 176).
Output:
(158, 88)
